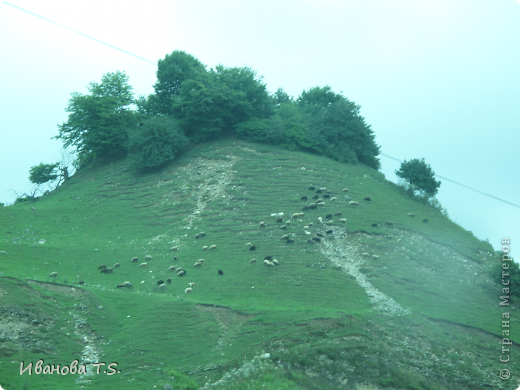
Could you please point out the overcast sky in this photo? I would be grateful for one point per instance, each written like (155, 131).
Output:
(437, 79)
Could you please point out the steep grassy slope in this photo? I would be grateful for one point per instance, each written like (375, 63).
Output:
(329, 317)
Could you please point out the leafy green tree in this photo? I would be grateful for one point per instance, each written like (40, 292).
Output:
(280, 97)
(156, 142)
(420, 176)
(98, 123)
(43, 173)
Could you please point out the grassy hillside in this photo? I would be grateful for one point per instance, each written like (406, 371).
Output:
(423, 315)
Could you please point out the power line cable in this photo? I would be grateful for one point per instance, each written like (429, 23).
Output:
(80, 33)
(462, 185)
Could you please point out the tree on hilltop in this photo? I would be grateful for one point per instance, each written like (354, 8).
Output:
(420, 177)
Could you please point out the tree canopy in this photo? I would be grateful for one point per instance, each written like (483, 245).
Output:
(420, 176)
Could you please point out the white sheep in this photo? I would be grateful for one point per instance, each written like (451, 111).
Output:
(174, 248)
(148, 257)
(320, 220)
(53, 274)
(262, 223)
(127, 285)
(143, 265)
(323, 189)
(345, 190)
(188, 290)
(162, 287)
(116, 265)
(295, 215)
(249, 244)
(172, 268)
(279, 215)
(252, 261)
(134, 259)
(306, 227)
(353, 203)
(205, 247)
(181, 273)
(411, 215)
(275, 262)
(191, 285)
(375, 257)
(213, 247)
(333, 199)
(343, 220)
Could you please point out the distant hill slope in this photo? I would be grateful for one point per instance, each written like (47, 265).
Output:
(383, 284)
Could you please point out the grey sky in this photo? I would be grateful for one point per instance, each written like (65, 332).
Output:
(436, 79)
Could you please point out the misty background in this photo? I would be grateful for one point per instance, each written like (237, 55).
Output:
(435, 79)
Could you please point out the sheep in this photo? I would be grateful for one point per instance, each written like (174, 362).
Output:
(172, 268)
(319, 191)
(162, 287)
(306, 227)
(285, 237)
(143, 265)
(179, 269)
(338, 214)
(311, 224)
(107, 270)
(375, 225)
(411, 215)
(169, 280)
(305, 208)
(425, 220)
(326, 196)
(248, 244)
(181, 273)
(134, 259)
(205, 248)
(365, 254)
(188, 290)
(128, 285)
(312, 188)
(268, 257)
(345, 190)
(212, 247)
(342, 220)
(53, 274)
(197, 264)
(267, 263)
(353, 203)
(278, 220)
(301, 215)
(202, 234)
(191, 284)
(317, 239)
(262, 223)
(329, 191)
(220, 272)
(322, 204)
(389, 223)
(81, 282)
(323, 189)
(159, 282)
(252, 261)
(303, 198)
(290, 241)
(275, 262)
(174, 248)
(283, 227)
(287, 223)
(316, 197)
(313, 206)
(375, 257)
(333, 199)
(320, 219)
(328, 216)
(148, 257)
(252, 247)
(367, 198)
(200, 261)
(329, 232)
(102, 266)
(120, 286)
(116, 265)
(295, 215)
(319, 234)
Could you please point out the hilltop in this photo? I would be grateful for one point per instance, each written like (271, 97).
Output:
(419, 312)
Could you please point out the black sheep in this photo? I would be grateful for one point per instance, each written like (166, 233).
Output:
(159, 282)
(220, 272)
(312, 188)
(169, 280)
(303, 198)
(268, 257)
(252, 248)
(328, 232)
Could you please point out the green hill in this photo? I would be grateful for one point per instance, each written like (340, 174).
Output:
(373, 305)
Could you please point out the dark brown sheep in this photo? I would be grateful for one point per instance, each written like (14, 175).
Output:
(220, 272)
(303, 198)
(312, 188)
(252, 247)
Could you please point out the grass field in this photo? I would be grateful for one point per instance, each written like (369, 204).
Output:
(318, 314)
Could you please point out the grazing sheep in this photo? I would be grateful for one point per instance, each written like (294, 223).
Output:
(252, 261)
(319, 234)
(329, 232)
(338, 214)
(367, 198)
(169, 280)
(267, 263)
(200, 261)
(196, 236)
(353, 203)
(295, 215)
(389, 223)
(345, 190)
(313, 206)
(322, 204)
(174, 257)
(205, 247)
(148, 257)
(375, 257)
(212, 247)
(179, 269)
(102, 266)
(375, 225)
(116, 265)
(312, 188)
(248, 244)
(181, 273)
(162, 287)
(279, 215)
(202, 234)
(305, 208)
(220, 272)
(311, 224)
(143, 265)
(303, 198)
(425, 220)
(301, 215)
(134, 260)
(172, 268)
(328, 216)
(275, 262)
(53, 274)
(333, 199)
(252, 247)
(342, 220)
(81, 282)
(316, 197)
(285, 237)
(278, 220)
(319, 191)
(268, 257)
(306, 227)
(128, 285)
(197, 264)
(365, 254)
(191, 285)
(174, 248)
(411, 215)
(317, 239)
(120, 286)
(283, 227)
(159, 282)
(262, 224)
(326, 196)
(188, 290)
(323, 188)
(290, 241)
(320, 219)
(287, 222)
(107, 270)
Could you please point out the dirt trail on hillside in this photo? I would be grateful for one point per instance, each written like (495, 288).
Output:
(341, 252)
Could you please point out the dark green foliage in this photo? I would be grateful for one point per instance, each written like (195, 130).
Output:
(43, 173)
(420, 176)
(98, 123)
(156, 142)
(280, 97)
